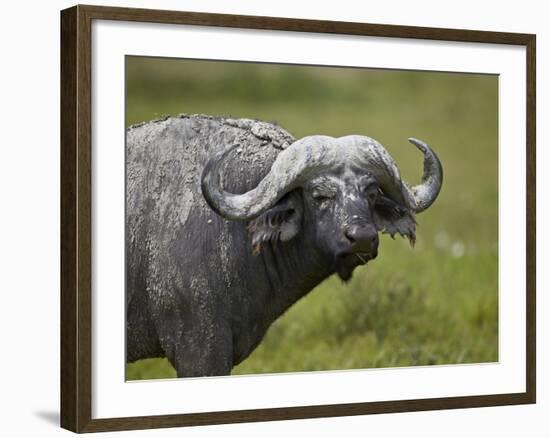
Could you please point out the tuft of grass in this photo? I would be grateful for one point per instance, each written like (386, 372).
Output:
(434, 304)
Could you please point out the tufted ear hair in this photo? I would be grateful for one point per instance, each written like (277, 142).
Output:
(393, 218)
(280, 223)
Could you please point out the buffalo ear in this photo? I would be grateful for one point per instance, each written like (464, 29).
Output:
(392, 218)
(280, 223)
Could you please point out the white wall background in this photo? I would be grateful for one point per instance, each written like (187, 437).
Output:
(29, 216)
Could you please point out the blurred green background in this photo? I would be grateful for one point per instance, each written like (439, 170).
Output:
(434, 304)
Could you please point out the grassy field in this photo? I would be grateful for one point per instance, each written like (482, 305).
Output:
(434, 304)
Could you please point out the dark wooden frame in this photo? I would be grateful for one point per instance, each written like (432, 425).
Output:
(76, 238)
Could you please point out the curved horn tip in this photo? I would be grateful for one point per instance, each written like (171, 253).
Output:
(425, 193)
(249, 205)
(211, 192)
(418, 143)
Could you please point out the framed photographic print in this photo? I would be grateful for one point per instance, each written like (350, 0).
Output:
(268, 218)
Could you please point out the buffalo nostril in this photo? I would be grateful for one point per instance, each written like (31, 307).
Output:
(350, 235)
(362, 237)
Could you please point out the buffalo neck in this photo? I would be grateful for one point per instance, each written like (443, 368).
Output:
(292, 269)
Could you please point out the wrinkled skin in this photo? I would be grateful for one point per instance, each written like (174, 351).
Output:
(202, 290)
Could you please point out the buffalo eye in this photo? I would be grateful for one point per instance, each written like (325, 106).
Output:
(322, 197)
(371, 192)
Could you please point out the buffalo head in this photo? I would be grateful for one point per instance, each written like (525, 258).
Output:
(340, 192)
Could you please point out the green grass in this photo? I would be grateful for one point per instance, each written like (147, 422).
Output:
(434, 304)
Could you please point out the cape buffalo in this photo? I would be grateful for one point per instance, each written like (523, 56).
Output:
(231, 221)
